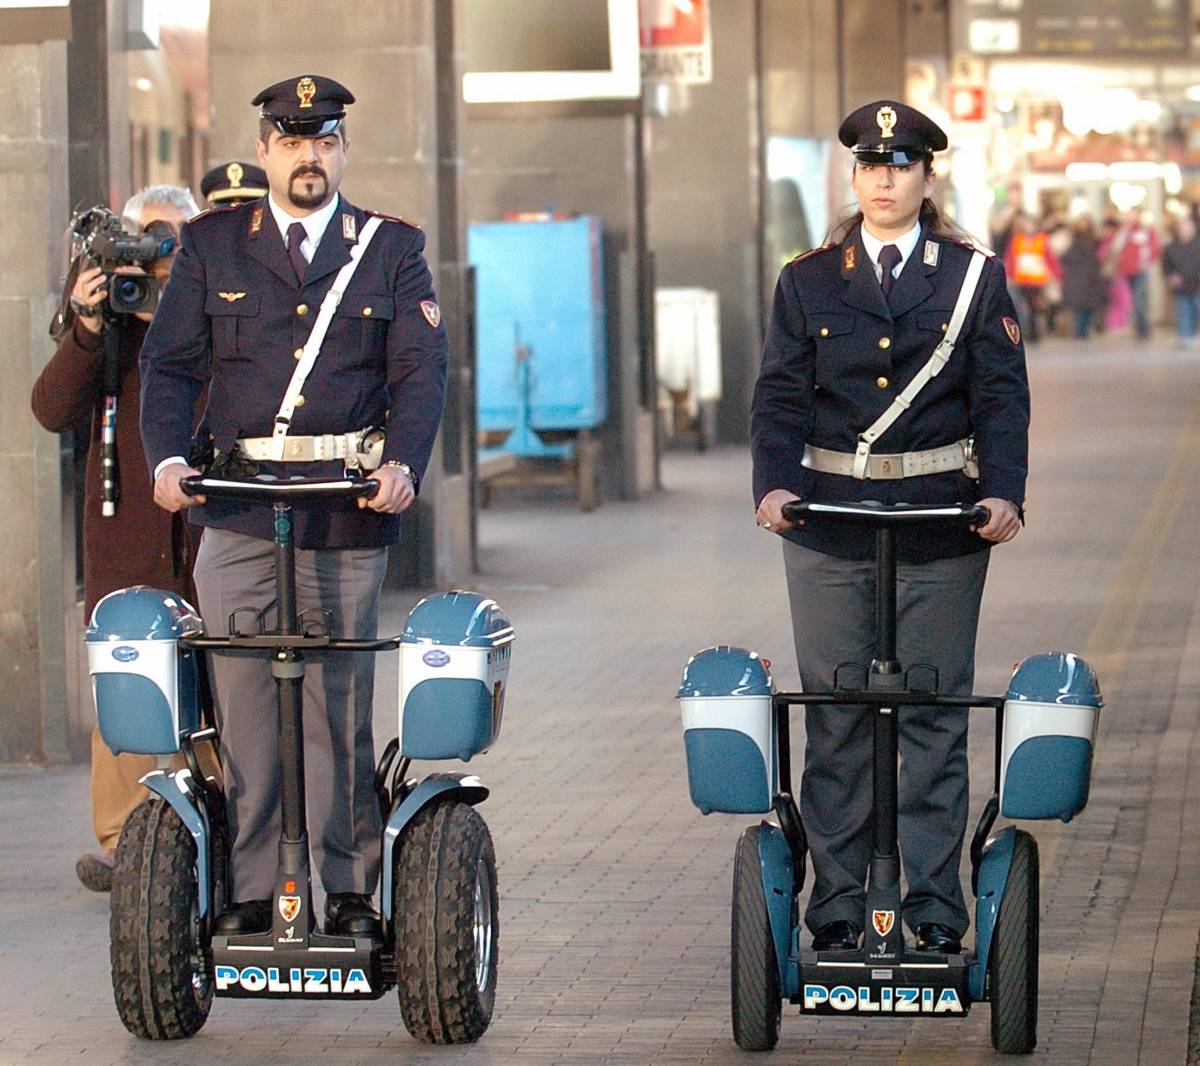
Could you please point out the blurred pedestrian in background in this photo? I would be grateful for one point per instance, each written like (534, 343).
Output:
(1181, 268)
(1134, 247)
(1119, 298)
(1084, 287)
(1059, 234)
(1032, 266)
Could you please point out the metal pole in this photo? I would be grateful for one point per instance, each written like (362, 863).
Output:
(288, 669)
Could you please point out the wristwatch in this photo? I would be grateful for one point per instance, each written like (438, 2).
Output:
(406, 470)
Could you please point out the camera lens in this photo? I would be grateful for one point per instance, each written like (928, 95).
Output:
(128, 293)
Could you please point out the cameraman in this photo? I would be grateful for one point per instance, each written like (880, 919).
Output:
(140, 544)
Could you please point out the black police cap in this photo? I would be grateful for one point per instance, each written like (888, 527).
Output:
(891, 133)
(232, 183)
(307, 106)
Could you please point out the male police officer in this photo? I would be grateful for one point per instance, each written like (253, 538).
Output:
(240, 305)
(233, 183)
(853, 324)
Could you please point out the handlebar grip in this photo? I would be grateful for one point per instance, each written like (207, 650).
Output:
(266, 489)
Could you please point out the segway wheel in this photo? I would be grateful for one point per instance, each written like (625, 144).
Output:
(753, 971)
(446, 925)
(1013, 961)
(161, 983)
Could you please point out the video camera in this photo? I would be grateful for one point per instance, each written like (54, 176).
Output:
(97, 235)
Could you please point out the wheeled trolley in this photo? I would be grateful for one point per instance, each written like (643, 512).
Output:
(737, 744)
(438, 899)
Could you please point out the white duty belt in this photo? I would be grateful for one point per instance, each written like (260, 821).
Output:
(957, 456)
(312, 348)
(924, 462)
(360, 450)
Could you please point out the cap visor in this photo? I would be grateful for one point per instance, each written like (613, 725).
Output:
(889, 157)
(308, 127)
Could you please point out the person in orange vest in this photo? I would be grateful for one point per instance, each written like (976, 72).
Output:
(1032, 265)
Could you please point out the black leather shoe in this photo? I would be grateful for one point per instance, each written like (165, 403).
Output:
(932, 936)
(249, 916)
(352, 914)
(836, 936)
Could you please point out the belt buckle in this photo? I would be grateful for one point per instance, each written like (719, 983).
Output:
(885, 466)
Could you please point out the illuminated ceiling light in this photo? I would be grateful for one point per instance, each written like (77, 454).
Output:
(143, 84)
(1125, 195)
(1172, 178)
(1004, 104)
(1134, 170)
(1192, 92)
(1087, 172)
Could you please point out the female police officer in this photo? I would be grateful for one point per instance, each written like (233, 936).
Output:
(853, 324)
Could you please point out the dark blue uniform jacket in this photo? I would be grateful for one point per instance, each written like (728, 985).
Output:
(234, 309)
(837, 354)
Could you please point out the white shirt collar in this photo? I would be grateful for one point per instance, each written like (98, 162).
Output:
(904, 244)
(314, 224)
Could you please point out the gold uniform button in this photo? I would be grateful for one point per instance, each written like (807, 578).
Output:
(885, 342)
(298, 353)
(299, 401)
(824, 331)
(302, 309)
(367, 312)
(945, 326)
(882, 382)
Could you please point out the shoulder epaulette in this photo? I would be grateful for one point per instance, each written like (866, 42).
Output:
(974, 245)
(393, 218)
(216, 209)
(815, 251)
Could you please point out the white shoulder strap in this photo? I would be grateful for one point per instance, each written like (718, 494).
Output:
(940, 357)
(312, 347)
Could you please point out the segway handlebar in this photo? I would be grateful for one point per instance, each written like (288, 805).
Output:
(267, 489)
(880, 514)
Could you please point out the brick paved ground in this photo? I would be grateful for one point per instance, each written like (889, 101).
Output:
(615, 892)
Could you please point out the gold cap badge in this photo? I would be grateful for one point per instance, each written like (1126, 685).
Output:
(306, 89)
(234, 173)
(886, 117)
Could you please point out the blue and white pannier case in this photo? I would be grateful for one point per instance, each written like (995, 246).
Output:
(454, 657)
(146, 686)
(1051, 716)
(729, 731)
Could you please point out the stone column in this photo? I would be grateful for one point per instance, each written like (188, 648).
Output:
(33, 186)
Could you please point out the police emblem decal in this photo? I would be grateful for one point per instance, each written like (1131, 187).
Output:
(883, 921)
(289, 907)
(432, 313)
(306, 89)
(930, 257)
(886, 118)
(256, 220)
(235, 173)
(349, 228)
(849, 257)
(1012, 329)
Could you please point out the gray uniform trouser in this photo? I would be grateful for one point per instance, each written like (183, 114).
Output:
(232, 571)
(833, 621)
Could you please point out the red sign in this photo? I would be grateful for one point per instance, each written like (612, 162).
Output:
(676, 41)
(968, 103)
(674, 23)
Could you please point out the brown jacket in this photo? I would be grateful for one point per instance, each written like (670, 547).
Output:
(141, 544)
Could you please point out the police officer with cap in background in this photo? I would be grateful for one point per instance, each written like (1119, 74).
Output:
(853, 328)
(234, 183)
(246, 288)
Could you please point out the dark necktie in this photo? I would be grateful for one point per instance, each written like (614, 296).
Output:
(889, 259)
(295, 236)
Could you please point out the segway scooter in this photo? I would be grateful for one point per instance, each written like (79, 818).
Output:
(736, 736)
(147, 655)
